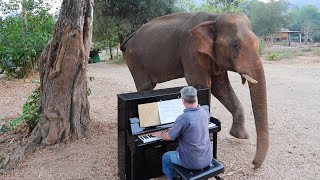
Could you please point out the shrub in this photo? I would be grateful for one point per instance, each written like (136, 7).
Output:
(279, 55)
(262, 47)
(30, 114)
(306, 49)
(19, 51)
(316, 51)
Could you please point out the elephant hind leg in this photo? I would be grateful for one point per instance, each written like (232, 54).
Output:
(223, 91)
(143, 82)
(145, 85)
(142, 79)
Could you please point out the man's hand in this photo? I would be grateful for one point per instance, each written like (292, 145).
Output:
(162, 134)
(158, 134)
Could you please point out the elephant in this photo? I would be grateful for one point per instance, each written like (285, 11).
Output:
(202, 47)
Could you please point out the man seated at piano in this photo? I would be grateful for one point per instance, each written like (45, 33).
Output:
(191, 129)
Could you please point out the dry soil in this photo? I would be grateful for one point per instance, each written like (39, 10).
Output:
(293, 87)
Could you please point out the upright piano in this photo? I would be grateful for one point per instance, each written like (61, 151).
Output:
(140, 153)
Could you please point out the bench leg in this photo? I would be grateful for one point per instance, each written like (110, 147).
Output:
(218, 177)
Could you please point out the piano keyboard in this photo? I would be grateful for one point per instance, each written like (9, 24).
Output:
(145, 138)
(211, 125)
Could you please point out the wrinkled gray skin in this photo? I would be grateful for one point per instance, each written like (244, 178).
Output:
(202, 48)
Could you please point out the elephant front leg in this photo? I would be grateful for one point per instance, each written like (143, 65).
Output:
(223, 91)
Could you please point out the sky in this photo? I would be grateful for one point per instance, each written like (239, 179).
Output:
(54, 3)
(57, 3)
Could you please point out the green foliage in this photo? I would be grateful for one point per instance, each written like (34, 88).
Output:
(285, 43)
(30, 114)
(305, 17)
(116, 19)
(268, 18)
(262, 46)
(307, 20)
(219, 6)
(91, 78)
(89, 92)
(277, 55)
(316, 51)
(30, 110)
(19, 50)
(272, 56)
(186, 6)
(316, 36)
(211, 6)
(306, 49)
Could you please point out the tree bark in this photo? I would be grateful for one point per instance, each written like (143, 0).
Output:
(110, 50)
(24, 18)
(63, 63)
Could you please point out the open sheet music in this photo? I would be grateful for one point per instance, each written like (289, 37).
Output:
(170, 110)
(162, 112)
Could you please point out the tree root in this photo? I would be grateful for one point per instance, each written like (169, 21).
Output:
(46, 133)
(8, 162)
(64, 103)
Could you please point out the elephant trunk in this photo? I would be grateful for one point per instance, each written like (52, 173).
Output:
(259, 105)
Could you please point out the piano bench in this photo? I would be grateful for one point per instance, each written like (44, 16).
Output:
(212, 170)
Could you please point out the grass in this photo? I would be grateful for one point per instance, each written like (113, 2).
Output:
(117, 60)
(316, 51)
(309, 49)
(277, 55)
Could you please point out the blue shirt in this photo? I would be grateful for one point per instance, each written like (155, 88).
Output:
(191, 129)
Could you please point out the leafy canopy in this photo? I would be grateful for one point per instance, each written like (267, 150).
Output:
(307, 20)
(268, 18)
(20, 50)
(212, 6)
(115, 19)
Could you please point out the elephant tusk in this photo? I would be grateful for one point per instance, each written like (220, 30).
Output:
(249, 79)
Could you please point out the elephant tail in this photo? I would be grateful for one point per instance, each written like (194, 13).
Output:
(124, 43)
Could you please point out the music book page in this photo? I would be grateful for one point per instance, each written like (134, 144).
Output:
(169, 110)
(148, 114)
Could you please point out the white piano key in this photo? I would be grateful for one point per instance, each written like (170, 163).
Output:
(148, 138)
(145, 138)
(211, 125)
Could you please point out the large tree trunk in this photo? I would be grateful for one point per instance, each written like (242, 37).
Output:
(24, 17)
(110, 51)
(64, 102)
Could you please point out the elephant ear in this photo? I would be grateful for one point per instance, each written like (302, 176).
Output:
(203, 35)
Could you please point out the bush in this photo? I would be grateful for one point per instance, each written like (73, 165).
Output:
(284, 43)
(316, 51)
(262, 47)
(279, 55)
(316, 36)
(19, 51)
(30, 114)
(306, 49)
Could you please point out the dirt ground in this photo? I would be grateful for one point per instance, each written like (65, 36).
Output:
(293, 87)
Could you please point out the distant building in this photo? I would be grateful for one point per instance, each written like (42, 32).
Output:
(287, 35)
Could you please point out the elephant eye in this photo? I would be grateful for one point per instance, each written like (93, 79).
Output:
(235, 48)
